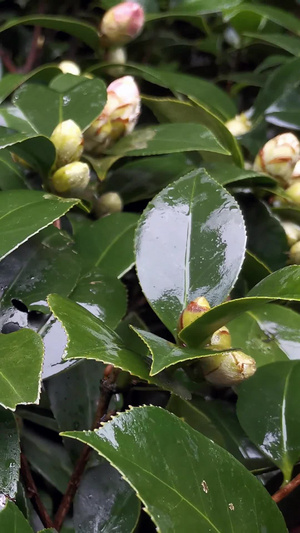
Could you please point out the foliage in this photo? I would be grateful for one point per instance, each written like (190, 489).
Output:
(154, 200)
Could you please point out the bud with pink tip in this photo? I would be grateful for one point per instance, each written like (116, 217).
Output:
(118, 117)
(122, 23)
(278, 157)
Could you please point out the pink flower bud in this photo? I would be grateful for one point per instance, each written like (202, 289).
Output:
(122, 23)
(118, 117)
(278, 157)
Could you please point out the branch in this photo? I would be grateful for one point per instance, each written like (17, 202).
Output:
(7, 61)
(106, 392)
(32, 493)
(283, 492)
(33, 52)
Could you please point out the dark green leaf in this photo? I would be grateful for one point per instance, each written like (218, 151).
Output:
(11, 519)
(190, 242)
(10, 82)
(38, 151)
(286, 42)
(272, 423)
(265, 12)
(25, 349)
(10, 175)
(226, 174)
(284, 112)
(152, 449)
(25, 213)
(10, 453)
(105, 502)
(108, 244)
(11, 117)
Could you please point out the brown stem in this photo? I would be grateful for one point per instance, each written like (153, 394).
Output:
(106, 392)
(7, 61)
(32, 493)
(283, 492)
(34, 49)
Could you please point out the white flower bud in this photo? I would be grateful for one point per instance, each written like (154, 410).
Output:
(68, 141)
(71, 179)
(295, 254)
(221, 339)
(122, 23)
(239, 125)
(292, 232)
(296, 172)
(108, 203)
(228, 369)
(278, 157)
(69, 67)
(194, 310)
(293, 192)
(118, 117)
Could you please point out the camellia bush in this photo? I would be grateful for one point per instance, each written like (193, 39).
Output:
(150, 266)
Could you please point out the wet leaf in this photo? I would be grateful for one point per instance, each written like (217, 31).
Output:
(10, 82)
(11, 519)
(10, 453)
(174, 501)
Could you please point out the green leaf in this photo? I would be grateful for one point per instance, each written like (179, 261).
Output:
(263, 12)
(175, 501)
(253, 270)
(108, 244)
(272, 422)
(25, 213)
(104, 296)
(168, 139)
(10, 453)
(205, 92)
(11, 117)
(11, 519)
(194, 8)
(40, 266)
(281, 285)
(38, 151)
(286, 42)
(48, 458)
(226, 174)
(270, 333)
(176, 111)
(284, 112)
(217, 420)
(90, 338)
(45, 107)
(190, 242)
(143, 178)
(25, 349)
(83, 31)
(10, 82)
(10, 175)
(105, 502)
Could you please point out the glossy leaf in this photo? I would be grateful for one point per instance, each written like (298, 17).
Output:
(186, 245)
(284, 112)
(11, 117)
(90, 338)
(226, 174)
(11, 518)
(274, 14)
(108, 244)
(168, 139)
(36, 150)
(281, 285)
(25, 349)
(45, 107)
(270, 333)
(160, 479)
(55, 340)
(83, 31)
(10, 453)
(10, 82)
(105, 502)
(272, 422)
(40, 266)
(10, 175)
(286, 42)
(25, 213)
(176, 111)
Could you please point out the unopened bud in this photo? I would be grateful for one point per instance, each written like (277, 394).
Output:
(228, 369)
(239, 125)
(295, 254)
(69, 67)
(108, 203)
(68, 141)
(278, 157)
(221, 339)
(71, 179)
(296, 172)
(122, 23)
(116, 56)
(292, 232)
(118, 117)
(293, 192)
(194, 310)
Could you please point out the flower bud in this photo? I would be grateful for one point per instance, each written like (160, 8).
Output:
(239, 125)
(221, 339)
(108, 203)
(293, 192)
(71, 179)
(194, 310)
(295, 254)
(228, 369)
(68, 141)
(122, 23)
(116, 56)
(69, 67)
(118, 117)
(296, 172)
(278, 157)
(292, 232)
